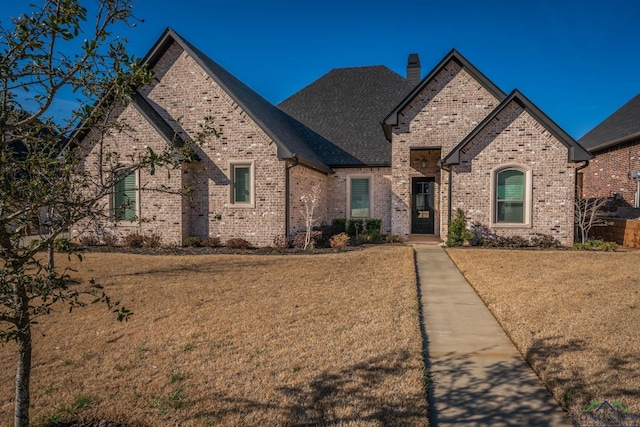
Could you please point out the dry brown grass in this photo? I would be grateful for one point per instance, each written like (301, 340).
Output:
(575, 316)
(235, 340)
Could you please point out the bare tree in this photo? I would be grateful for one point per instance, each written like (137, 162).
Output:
(310, 201)
(587, 213)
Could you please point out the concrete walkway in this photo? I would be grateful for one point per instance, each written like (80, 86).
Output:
(477, 377)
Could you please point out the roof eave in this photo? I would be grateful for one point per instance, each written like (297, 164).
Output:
(575, 152)
(613, 142)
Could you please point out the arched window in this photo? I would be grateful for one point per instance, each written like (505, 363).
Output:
(510, 196)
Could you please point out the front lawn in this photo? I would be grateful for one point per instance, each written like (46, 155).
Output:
(575, 316)
(234, 340)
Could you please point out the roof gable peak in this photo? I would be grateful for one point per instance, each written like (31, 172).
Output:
(453, 55)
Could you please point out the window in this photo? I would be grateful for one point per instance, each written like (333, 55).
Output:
(125, 201)
(511, 193)
(360, 198)
(242, 187)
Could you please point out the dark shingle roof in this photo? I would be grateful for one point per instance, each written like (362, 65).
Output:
(576, 153)
(346, 106)
(287, 136)
(619, 127)
(155, 119)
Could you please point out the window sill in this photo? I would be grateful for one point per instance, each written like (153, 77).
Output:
(510, 225)
(241, 205)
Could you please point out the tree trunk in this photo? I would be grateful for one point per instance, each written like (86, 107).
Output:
(23, 373)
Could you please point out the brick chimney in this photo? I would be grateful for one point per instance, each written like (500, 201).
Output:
(413, 68)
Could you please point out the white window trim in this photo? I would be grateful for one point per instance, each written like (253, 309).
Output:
(528, 193)
(252, 182)
(112, 203)
(371, 194)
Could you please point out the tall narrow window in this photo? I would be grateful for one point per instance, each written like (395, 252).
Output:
(360, 198)
(124, 196)
(242, 185)
(510, 196)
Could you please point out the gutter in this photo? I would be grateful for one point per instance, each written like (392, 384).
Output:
(287, 188)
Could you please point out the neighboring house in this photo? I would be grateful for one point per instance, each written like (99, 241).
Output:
(615, 145)
(406, 150)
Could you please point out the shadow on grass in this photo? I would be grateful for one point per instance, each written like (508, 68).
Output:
(609, 376)
(354, 394)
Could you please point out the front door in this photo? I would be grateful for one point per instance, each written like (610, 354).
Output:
(422, 205)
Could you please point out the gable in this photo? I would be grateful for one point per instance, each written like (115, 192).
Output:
(543, 127)
(450, 63)
(449, 105)
(277, 125)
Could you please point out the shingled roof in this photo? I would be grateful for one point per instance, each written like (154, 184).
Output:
(288, 136)
(621, 126)
(345, 107)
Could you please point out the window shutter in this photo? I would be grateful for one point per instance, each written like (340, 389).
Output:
(125, 197)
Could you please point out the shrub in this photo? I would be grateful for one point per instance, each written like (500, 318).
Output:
(545, 241)
(211, 242)
(110, 240)
(394, 238)
(192, 242)
(458, 233)
(238, 243)
(373, 224)
(281, 242)
(340, 225)
(88, 240)
(134, 240)
(355, 227)
(595, 245)
(327, 231)
(505, 242)
(339, 241)
(371, 237)
(300, 237)
(153, 240)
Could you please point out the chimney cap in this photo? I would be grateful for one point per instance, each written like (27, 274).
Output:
(413, 61)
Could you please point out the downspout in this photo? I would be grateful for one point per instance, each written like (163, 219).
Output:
(287, 185)
(575, 178)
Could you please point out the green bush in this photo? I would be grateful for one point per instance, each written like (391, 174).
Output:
(373, 224)
(596, 245)
(192, 242)
(458, 233)
(339, 224)
(355, 226)
(371, 237)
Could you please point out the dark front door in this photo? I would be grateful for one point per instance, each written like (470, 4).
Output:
(422, 205)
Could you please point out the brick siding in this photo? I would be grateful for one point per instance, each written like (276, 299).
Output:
(609, 173)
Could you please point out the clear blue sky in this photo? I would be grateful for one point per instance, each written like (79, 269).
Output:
(577, 60)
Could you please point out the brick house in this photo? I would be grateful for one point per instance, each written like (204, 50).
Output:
(405, 150)
(615, 168)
